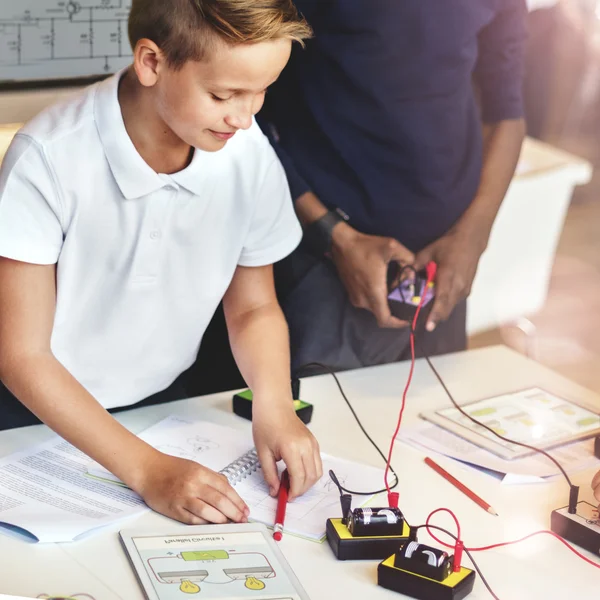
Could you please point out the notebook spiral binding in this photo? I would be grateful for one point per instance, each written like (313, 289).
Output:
(242, 467)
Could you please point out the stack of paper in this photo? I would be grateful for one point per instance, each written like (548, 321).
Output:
(573, 457)
(45, 494)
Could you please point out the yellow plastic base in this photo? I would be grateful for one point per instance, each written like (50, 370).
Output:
(454, 587)
(347, 547)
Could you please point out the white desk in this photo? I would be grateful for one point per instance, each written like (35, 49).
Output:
(538, 569)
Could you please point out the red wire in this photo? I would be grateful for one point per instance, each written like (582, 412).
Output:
(437, 510)
(410, 374)
(501, 544)
(430, 276)
(547, 531)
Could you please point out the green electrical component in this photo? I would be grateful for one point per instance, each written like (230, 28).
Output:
(242, 406)
(205, 555)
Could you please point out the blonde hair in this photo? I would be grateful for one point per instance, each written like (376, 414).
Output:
(184, 29)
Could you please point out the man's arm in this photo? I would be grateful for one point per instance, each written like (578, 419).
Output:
(502, 147)
(180, 489)
(500, 78)
(361, 260)
(458, 252)
(260, 343)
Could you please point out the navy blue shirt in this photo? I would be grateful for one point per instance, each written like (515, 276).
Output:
(378, 114)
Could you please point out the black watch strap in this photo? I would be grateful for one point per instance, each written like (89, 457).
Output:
(318, 235)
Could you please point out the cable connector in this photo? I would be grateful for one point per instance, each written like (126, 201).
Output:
(458, 552)
(346, 503)
(431, 270)
(393, 499)
(573, 499)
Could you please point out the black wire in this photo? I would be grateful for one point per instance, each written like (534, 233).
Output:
(483, 579)
(337, 381)
(476, 422)
(522, 444)
(332, 373)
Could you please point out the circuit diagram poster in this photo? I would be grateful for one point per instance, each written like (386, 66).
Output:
(51, 39)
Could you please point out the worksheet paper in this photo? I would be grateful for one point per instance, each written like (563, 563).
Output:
(576, 456)
(218, 446)
(46, 495)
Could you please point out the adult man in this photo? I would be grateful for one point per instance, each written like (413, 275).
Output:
(378, 119)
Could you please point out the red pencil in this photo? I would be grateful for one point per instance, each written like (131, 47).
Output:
(463, 488)
(284, 489)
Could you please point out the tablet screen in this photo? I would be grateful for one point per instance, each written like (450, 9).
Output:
(531, 416)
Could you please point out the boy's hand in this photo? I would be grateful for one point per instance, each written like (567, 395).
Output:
(280, 435)
(596, 486)
(188, 492)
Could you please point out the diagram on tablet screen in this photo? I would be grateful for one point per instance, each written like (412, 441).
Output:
(48, 39)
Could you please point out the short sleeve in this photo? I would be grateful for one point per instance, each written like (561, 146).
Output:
(274, 231)
(500, 66)
(30, 227)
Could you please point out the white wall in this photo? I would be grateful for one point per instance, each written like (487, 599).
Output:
(18, 107)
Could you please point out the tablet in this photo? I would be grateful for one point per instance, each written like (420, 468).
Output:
(213, 562)
(532, 416)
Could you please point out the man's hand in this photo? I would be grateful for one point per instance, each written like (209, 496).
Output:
(457, 255)
(362, 263)
(186, 491)
(280, 435)
(596, 486)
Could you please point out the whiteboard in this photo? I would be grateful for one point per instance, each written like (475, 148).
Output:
(62, 39)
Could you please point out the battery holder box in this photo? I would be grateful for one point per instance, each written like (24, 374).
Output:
(453, 587)
(375, 546)
(242, 405)
(404, 296)
(581, 528)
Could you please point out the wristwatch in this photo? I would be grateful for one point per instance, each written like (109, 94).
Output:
(318, 235)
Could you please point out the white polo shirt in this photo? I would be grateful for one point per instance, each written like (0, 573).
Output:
(143, 258)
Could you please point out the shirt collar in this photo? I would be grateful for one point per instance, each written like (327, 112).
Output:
(133, 175)
(193, 177)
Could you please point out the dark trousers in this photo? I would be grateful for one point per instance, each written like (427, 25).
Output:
(326, 328)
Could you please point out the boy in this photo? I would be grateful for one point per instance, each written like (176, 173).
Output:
(126, 214)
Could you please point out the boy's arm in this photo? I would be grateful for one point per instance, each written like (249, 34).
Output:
(259, 339)
(180, 489)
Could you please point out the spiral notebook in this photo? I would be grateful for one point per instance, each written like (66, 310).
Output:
(231, 452)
